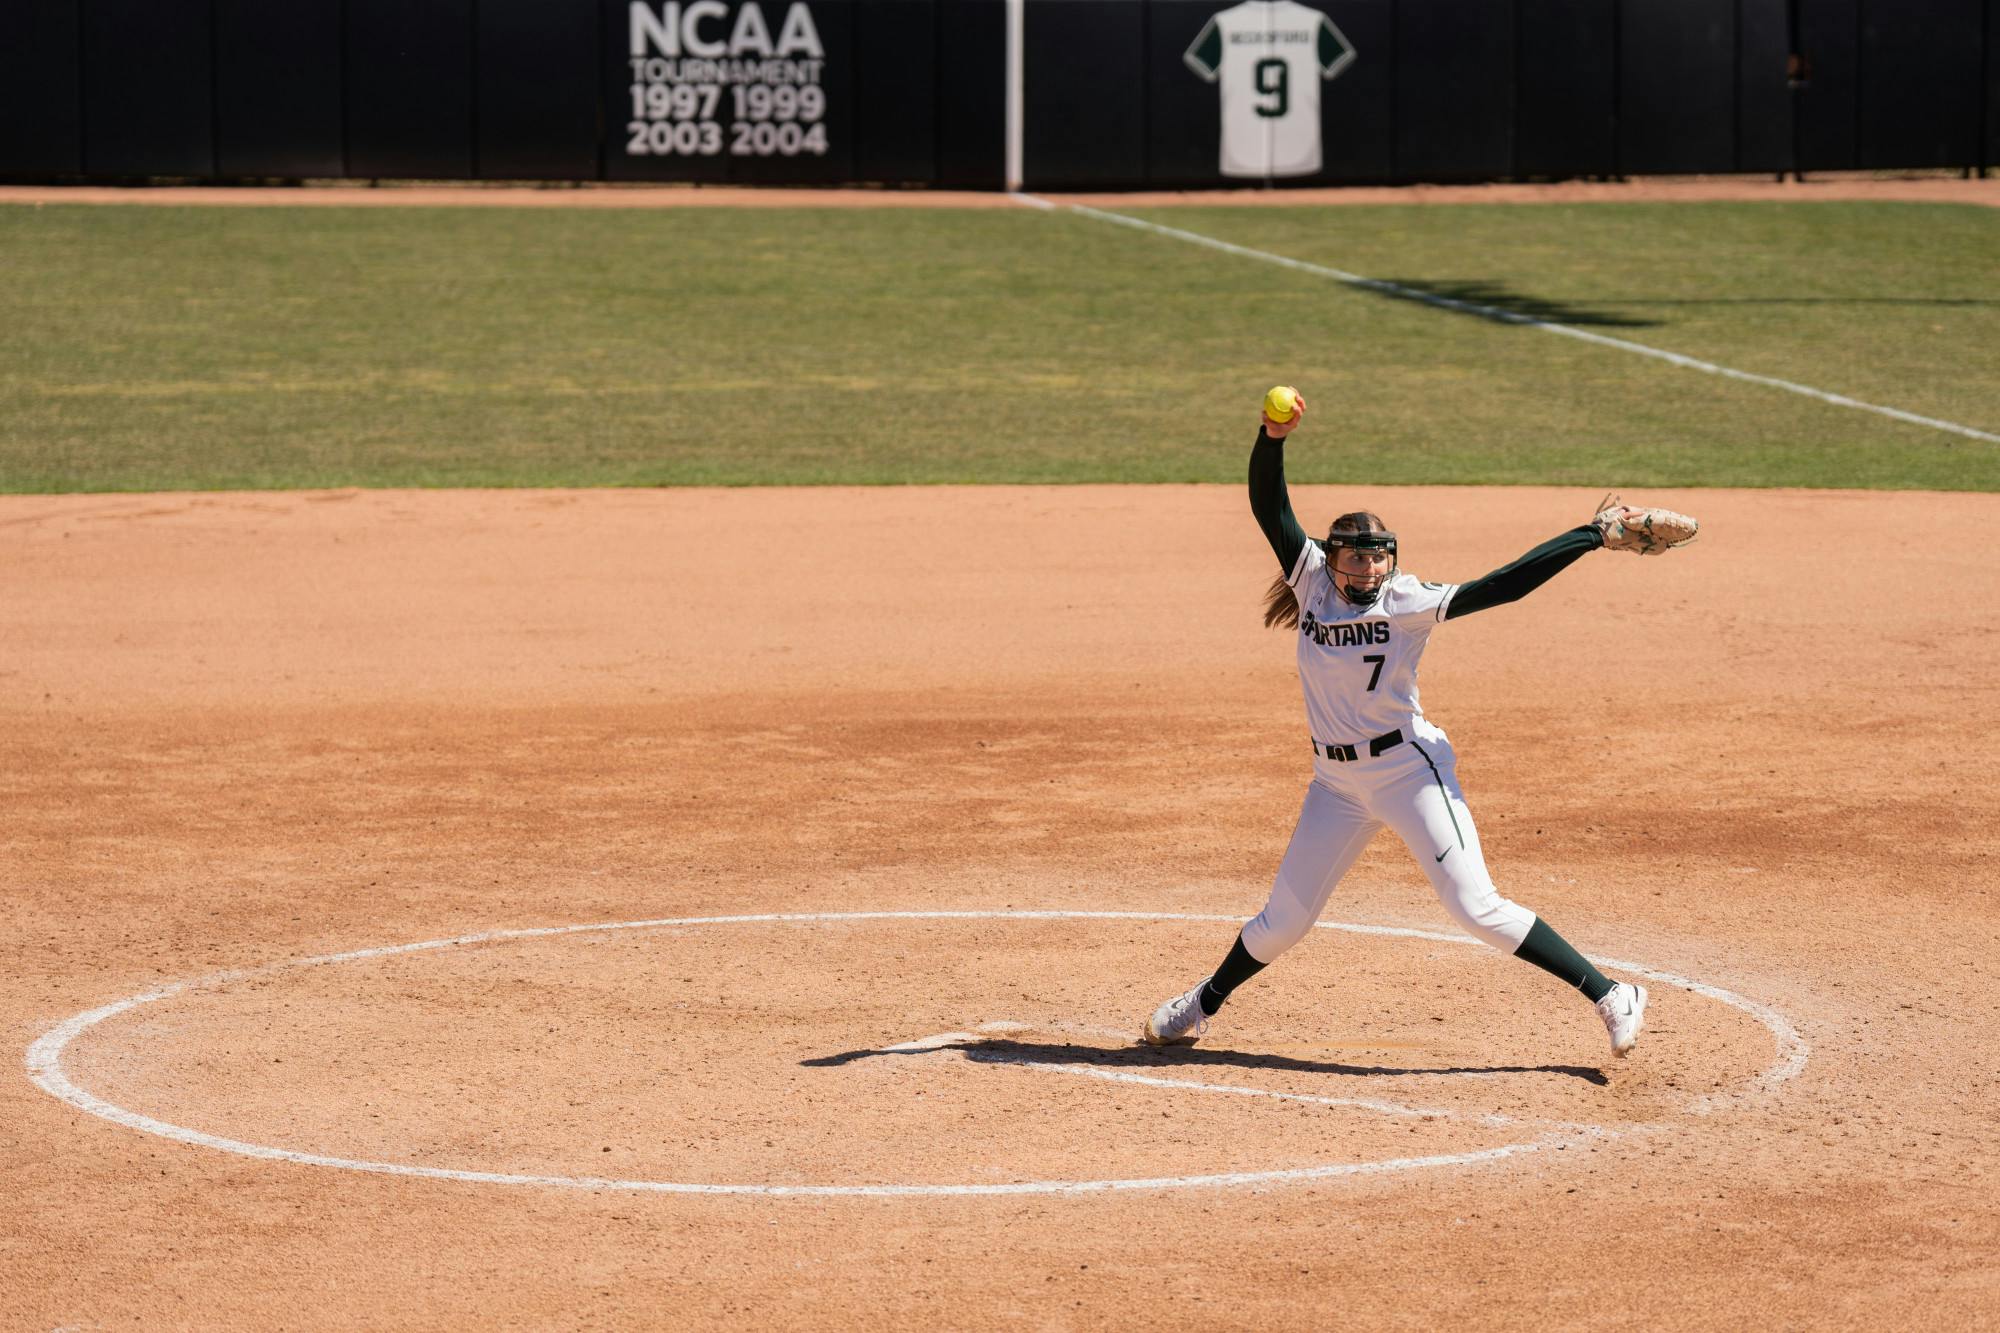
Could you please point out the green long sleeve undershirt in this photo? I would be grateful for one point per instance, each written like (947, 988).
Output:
(1271, 504)
(1511, 582)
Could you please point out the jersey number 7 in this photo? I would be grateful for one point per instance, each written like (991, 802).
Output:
(1377, 658)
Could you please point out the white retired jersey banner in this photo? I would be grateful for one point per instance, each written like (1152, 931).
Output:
(1358, 664)
(1269, 58)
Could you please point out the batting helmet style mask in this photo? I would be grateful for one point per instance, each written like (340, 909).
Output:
(1339, 539)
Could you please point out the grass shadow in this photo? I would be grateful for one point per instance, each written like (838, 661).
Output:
(1499, 303)
(1808, 300)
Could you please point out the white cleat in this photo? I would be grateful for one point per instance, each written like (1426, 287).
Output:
(1623, 1010)
(1178, 1022)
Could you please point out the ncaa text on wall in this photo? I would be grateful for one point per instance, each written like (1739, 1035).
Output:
(710, 79)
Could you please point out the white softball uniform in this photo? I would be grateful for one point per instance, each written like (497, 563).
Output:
(1377, 760)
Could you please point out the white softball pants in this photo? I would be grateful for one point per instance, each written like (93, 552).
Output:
(1414, 790)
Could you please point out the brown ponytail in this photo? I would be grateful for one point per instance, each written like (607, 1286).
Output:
(1281, 604)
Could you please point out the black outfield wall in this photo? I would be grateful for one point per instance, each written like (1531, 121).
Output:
(1116, 93)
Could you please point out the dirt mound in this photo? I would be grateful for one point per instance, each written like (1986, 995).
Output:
(242, 734)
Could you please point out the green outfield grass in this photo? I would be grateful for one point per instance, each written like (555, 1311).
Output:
(203, 348)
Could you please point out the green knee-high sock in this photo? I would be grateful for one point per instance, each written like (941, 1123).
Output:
(1553, 954)
(1236, 969)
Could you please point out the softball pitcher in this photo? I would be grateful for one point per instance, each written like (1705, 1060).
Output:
(1362, 626)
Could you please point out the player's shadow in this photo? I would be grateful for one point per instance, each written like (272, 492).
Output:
(1014, 1051)
(1483, 299)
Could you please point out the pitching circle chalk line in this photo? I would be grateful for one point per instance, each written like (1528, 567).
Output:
(44, 1067)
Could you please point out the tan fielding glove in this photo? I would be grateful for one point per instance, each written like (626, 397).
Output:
(1647, 531)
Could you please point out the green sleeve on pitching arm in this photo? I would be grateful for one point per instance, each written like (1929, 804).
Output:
(1510, 583)
(1271, 504)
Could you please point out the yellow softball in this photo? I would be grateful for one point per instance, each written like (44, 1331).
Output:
(1282, 403)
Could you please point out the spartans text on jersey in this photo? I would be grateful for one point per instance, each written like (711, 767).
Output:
(1343, 634)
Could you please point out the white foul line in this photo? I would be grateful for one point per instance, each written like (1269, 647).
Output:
(1397, 289)
(44, 1067)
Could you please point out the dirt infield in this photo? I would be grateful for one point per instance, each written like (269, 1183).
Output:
(251, 730)
(1710, 189)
